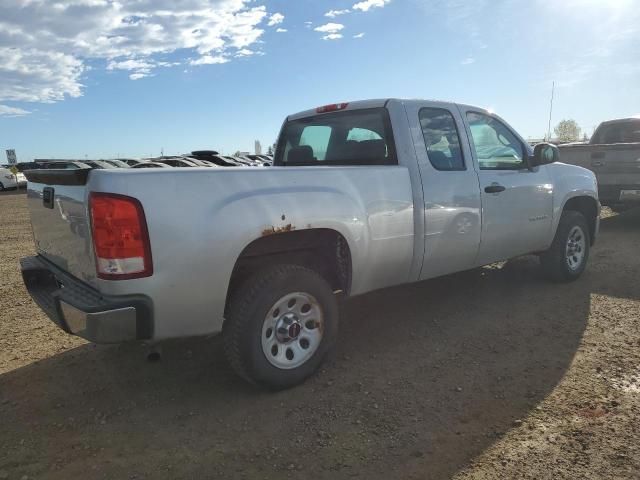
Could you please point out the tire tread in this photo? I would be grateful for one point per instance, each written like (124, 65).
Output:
(238, 314)
(553, 261)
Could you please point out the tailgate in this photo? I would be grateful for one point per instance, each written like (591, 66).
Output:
(616, 164)
(617, 168)
(57, 202)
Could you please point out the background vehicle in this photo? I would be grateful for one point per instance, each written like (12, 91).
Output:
(260, 159)
(176, 162)
(62, 165)
(130, 161)
(613, 154)
(21, 179)
(116, 163)
(201, 163)
(246, 161)
(362, 196)
(151, 165)
(214, 157)
(7, 180)
(100, 164)
(22, 166)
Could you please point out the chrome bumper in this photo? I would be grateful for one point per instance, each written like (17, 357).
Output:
(80, 310)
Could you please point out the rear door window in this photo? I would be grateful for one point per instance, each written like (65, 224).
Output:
(441, 139)
(357, 137)
(622, 132)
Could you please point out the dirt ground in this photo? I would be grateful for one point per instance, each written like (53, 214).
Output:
(487, 374)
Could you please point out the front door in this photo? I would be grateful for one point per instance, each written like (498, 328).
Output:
(517, 203)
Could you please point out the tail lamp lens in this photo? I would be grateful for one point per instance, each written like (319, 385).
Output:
(120, 237)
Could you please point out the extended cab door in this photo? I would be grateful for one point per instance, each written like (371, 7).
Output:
(517, 203)
(450, 188)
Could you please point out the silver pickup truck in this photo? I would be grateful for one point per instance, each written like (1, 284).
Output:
(613, 154)
(362, 196)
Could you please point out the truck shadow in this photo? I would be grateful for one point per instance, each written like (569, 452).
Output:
(424, 378)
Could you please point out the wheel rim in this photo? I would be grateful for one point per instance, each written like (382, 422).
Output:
(292, 330)
(576, 248)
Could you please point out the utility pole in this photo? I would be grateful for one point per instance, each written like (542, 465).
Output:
(553, 89)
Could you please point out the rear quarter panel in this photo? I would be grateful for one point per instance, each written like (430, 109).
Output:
(200, 220)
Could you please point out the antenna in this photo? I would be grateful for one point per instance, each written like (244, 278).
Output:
(553, 89)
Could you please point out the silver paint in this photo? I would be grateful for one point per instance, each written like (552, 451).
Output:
(402, 223)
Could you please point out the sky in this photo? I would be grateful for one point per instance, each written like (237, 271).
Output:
(132, 78)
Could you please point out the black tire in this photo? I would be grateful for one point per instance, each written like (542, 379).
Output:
(555, 263)
(243, 327)
(1, 187)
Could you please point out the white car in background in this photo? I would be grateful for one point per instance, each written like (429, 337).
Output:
(22, 180)
(8, 180)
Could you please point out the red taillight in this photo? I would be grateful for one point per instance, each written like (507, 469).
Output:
(334, 107)
(120, 237)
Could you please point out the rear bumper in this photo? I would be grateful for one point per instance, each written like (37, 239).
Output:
(81, 310)
(619, 194)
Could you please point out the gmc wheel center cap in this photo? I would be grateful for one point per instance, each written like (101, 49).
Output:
(294, 330)
(288, 328)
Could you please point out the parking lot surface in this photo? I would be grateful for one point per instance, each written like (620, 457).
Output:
(492, 373)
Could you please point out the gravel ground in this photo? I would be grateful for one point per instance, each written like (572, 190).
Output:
(487, 374)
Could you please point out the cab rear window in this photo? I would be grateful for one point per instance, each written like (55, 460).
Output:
(357, 137)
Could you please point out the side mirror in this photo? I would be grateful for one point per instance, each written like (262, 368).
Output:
(544, 154)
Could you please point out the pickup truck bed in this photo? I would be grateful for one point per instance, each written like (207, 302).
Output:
(613, 154)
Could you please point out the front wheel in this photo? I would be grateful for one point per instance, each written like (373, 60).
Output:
(567, 258)
(280, 325)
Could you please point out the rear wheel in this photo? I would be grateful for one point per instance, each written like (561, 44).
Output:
(567, 258)
(280, 326)
(1, 187)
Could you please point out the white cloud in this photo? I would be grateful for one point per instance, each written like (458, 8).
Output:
(209, 60)
(359, 35)
(141, 68)
(329, 28)
(368, 4)
(45, 45)
(332, 36)
(281, 30)
(130, 64)
(12, 111)
(468, 61)
(335, 13)
(29, 75)
(245, 52)
(138, 76)
(275, 19)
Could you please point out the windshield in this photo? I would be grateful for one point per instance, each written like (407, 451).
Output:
(358, 137)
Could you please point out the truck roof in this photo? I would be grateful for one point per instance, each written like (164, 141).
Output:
(621, 120)
(374, 103)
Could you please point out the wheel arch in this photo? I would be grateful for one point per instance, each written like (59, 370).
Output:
(323, 250)
(587, 206)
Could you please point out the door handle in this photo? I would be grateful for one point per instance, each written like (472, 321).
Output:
(494, 188)
(597, 164)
